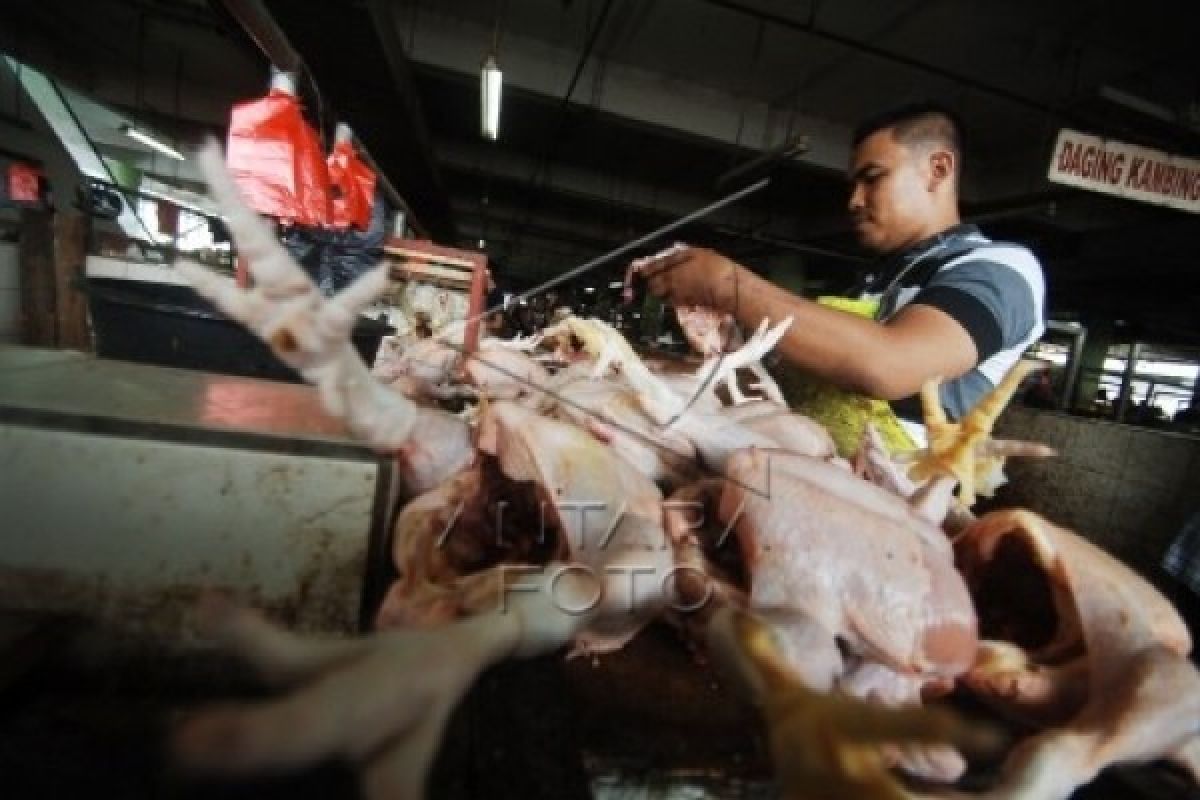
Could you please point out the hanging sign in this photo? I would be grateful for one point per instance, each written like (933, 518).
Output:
(24, 183)
(1125, 170)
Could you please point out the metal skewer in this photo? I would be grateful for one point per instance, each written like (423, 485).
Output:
(649, 237)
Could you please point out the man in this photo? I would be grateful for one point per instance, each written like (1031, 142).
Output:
(952, 304)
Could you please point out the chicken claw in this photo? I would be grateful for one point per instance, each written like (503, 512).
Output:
(380, 702)
(725, 366)
(348, 701)
(307, 331)
(826, 744)
(965, 450)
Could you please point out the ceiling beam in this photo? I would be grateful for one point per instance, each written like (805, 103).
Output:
(809, 28)
(543, 68)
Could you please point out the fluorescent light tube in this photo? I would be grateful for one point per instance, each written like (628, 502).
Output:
(491, 82)
(150, 141)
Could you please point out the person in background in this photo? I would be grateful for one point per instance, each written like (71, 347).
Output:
(1040, 393)
(950, 302)
(1188, 417)
(1146, 413)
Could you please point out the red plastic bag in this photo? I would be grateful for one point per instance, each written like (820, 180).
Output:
(352, 185)
(24, 183)
(276, 159)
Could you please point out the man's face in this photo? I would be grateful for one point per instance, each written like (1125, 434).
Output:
(890, 197)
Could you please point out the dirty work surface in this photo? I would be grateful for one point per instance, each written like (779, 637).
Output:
(645, 723)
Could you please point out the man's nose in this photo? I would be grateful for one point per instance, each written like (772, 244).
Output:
(855, 201)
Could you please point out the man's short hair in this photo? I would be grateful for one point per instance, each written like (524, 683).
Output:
(917, 124)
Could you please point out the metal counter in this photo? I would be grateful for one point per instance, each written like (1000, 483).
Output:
(126, 489)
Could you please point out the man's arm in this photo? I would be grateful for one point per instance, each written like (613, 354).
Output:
(885, 360)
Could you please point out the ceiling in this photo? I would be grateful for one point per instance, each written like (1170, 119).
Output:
(621, 116)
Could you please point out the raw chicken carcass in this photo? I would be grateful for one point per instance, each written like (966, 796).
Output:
(718, 436)
(444, 541)
(1084, 648)
(545, 492)
(427, 365)
(612, 412)
(711, 333)
(860, 590)
(382, 702)
(504, 372)
(857, 586)
(859, 593)
(855, 559)
(657, 398)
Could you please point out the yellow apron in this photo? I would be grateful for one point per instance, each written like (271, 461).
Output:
(844, 414)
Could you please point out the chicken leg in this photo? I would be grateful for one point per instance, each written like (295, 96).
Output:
(825, 744)
(965, 450)
(311, 334)
(380, 702)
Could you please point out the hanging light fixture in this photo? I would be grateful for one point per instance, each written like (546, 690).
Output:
(491, 83)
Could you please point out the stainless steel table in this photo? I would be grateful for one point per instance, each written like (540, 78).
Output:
(126, 489)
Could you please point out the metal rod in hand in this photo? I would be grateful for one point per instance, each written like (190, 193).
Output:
(649, 237)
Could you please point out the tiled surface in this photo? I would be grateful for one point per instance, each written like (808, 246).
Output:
(1088, 499)
(8, 267)
(10, 306)
(1127, 489)
(1098, 448)
(1188, 494)
(1159, 457)
(10, 294)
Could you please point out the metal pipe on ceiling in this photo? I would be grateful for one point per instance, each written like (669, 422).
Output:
(262, 29)
(555, 140)
(811, 29)
(382, 14)
(763, 163)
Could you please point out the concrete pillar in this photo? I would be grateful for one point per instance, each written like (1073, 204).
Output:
(35, 264)
(50, 263)
(1095, 350)
(1126, 398)
(71, 233)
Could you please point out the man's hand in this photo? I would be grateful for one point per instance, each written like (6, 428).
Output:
(690, 276)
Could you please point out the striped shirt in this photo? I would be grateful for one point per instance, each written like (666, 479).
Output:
(995, 290)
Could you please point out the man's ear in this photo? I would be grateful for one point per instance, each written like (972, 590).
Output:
(941, 168)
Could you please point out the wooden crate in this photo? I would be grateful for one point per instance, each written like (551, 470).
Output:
(420, 259)
(448, 267)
